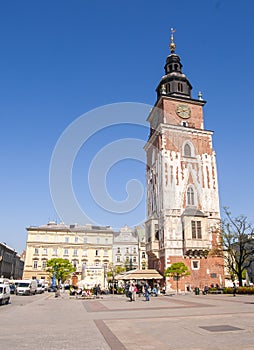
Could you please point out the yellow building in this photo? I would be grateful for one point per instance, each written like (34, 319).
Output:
(87, 247)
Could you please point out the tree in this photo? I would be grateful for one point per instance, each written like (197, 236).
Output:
(237, 244)
(60, 269)
(114, 270)
(177, 270)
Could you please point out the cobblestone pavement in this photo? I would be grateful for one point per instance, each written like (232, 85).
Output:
(178, 322)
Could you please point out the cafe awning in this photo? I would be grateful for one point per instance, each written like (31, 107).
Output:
(149, 274)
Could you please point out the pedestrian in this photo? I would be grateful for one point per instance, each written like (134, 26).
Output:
(234, 289)
(131, 292)
(147, 291)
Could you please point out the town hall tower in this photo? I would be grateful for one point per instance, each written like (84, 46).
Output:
(183, 215)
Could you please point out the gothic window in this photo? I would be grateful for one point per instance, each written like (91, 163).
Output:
(196, 229)
(187, 150)
(190, 196)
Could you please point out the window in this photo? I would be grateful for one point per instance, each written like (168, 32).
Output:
(45, 251)
(85, 240)
(35, 264)
(106, 240)
(38, 238)
(54, 251)
(180, 87)
(84, 252)
(127, 250)
(187, 150)
(97, 252)
(75, 252)
(46, 238)
(66, 252)
(98, 240)
(196, 229)
(118, 259)
(143, 255)
(134, 251)
(44, 264)
(66, 239)
(36, 251)
(134, 259)
(76, 240)
(184, 124)
(75, 263)
(105, 252)
(195, 264)
(56, 238)
(190, 196)
(118, 250)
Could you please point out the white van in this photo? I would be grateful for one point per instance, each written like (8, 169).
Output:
(4, 293)
(26, 287)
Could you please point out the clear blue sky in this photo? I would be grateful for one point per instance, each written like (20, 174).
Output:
(60, 59)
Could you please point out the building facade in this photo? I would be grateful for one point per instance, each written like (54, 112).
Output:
(11, 264)
(89, 248)
(183, 214)
(126, 248)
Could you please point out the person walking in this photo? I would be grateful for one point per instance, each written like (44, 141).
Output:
(131, 292)
(147, 291)
(234, 289)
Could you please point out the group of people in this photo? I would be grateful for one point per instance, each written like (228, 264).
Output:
(132, 289)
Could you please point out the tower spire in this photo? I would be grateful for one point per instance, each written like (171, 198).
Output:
(172, 44)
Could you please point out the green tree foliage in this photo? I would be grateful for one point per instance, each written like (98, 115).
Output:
(61, 269)
(177, 270)
(237, 244)
(113, 271)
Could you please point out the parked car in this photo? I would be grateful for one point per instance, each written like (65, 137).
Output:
(26, 287)
(12, 288)
(52, 288)
(4, 293)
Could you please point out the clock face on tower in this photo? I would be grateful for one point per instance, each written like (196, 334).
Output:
(183, 111)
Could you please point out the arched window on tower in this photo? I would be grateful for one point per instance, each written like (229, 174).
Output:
(187, 150)
(180, 87)
(190, 196)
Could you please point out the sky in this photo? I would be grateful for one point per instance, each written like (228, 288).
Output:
(64, 62)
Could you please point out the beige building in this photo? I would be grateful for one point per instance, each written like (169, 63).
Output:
(88, 248)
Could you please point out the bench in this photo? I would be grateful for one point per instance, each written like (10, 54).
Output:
(217, 291)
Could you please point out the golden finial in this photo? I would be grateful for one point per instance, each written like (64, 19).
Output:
(172, 45)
